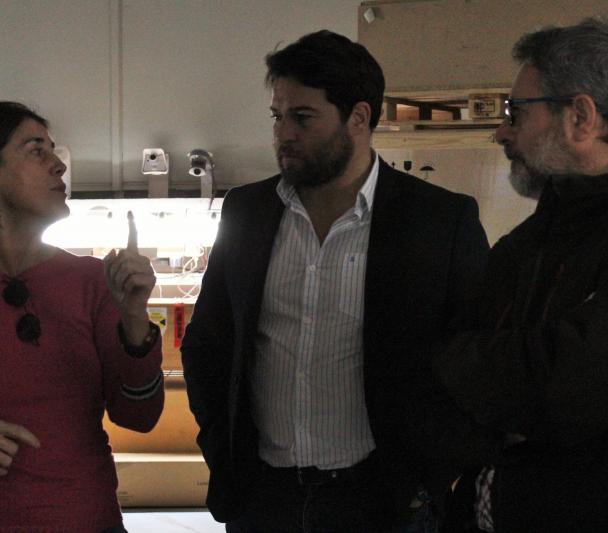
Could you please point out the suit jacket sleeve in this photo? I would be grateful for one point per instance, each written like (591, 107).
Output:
(207, 352)
(469, 257)
(450, 439)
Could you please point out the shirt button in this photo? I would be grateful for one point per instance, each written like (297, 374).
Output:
(311, 268)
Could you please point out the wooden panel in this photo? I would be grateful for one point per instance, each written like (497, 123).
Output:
(143, 480)
(447, 44)
(467, 162)
(175, 432)
(440, 138)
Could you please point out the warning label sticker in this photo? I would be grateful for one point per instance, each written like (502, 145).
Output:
(158, 315)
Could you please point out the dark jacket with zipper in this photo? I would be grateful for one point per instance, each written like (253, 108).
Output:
(536, 365)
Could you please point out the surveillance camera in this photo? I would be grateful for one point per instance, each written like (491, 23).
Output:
(201, 166)
(201, 161)
(155, 161)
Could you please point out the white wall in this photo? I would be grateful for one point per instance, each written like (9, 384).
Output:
(116, 76)
(55, 57)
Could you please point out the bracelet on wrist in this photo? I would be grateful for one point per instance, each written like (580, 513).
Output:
(142, 349)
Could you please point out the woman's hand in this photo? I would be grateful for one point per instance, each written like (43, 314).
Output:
(131, 279)
(11, 437)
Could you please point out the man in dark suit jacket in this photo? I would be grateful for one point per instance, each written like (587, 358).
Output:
(325, 289)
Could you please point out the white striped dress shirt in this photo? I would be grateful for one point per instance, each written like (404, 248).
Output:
(307, 378)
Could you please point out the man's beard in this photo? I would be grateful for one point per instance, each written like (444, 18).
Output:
(526, 181)
(326, 162)
(551, 157)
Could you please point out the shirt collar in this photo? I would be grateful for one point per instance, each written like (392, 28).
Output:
(365, 196)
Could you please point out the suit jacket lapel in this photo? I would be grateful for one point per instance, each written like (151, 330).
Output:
(381, 247)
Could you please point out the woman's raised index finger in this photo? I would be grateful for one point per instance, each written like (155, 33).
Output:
(132, 240)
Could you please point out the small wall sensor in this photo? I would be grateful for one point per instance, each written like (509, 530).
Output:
(369, 15)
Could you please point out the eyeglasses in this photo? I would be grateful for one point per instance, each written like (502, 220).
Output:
(16, 294)
(511, 104)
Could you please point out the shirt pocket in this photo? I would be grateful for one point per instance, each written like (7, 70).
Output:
(352, 281)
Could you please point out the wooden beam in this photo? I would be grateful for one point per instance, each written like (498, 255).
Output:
(426, 108)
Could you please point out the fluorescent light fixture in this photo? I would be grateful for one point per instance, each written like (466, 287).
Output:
(179, 224)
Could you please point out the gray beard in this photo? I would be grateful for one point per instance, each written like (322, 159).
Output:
(551, 158)
(525, 181)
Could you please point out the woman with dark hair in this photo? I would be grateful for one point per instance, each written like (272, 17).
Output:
(76, 341)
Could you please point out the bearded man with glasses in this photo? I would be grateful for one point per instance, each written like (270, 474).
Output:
(534, 361)
(75, 341)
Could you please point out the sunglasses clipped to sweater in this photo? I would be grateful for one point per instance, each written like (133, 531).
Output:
(16, 295)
